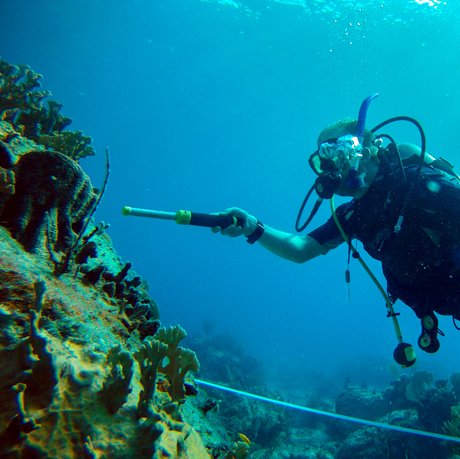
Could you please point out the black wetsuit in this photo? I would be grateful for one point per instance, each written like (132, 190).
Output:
(421, 262)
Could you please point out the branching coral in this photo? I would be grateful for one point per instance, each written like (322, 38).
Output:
(73, 144)
(116, 387)
(179, 360)
(19, 86)
(44, 121)
(21, 104)
(171, 336)
(149, 357)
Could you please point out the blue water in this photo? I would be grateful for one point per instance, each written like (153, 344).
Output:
(207, 105)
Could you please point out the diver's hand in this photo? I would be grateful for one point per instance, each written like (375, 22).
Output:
(249, 223)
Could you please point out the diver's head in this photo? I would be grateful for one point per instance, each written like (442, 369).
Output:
(337, 161)
(343, 158)
(347, 126)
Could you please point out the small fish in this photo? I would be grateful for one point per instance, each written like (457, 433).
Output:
(244, 438)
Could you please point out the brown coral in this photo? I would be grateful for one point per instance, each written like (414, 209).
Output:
(116, 387)
(149, 357)
(179, 360)
(53, 195)
(73, 144)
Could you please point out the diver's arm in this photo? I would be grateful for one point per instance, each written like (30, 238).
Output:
(293, 247)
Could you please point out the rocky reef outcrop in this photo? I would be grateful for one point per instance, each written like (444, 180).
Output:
(86, 370)
(74, 380)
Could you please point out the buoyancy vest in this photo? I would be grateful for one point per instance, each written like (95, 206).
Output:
(421, 262)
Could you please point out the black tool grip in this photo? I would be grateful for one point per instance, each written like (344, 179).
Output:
(209, 220)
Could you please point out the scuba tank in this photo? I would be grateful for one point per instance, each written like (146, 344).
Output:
(410, 154)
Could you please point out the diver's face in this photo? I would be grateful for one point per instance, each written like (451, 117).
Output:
(333, 133)
(339, 152)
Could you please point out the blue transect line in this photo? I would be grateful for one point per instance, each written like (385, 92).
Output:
(342, 417)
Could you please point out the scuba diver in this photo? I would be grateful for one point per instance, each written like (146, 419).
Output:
(405, 210)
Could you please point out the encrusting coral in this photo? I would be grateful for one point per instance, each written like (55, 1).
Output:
(85, 370)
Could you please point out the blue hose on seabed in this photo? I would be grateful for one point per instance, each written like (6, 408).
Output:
(342, 417)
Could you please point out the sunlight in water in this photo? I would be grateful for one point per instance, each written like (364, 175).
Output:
(433, 3)
(339, 7)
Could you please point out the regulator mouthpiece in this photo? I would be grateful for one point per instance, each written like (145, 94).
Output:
(354, 180)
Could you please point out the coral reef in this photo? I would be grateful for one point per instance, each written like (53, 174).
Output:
(137, 310)
(23, 105)
(417, 401)
(360, 402)
(85, 369)
(66, 366)
(222, 359)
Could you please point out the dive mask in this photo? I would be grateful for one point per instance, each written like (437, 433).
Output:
(336, 155)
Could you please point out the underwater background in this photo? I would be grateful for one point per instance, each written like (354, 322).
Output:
(210, 104)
